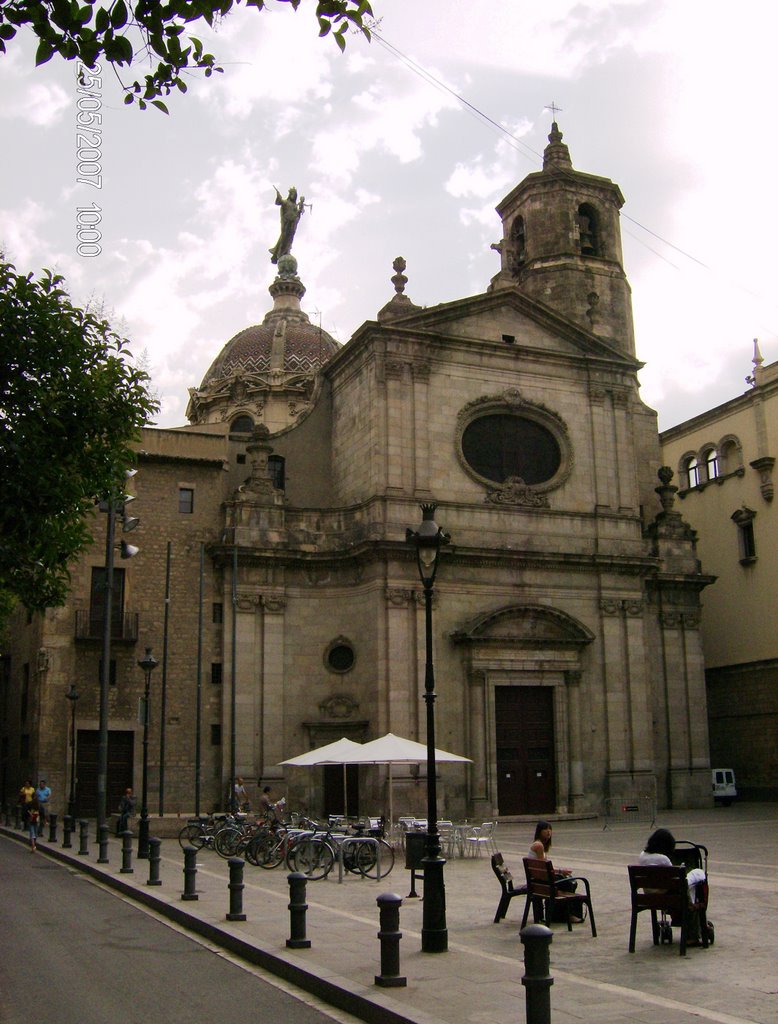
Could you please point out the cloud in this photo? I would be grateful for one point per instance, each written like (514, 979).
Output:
(40, 103)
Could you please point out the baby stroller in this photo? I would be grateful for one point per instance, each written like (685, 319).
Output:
(691, 856)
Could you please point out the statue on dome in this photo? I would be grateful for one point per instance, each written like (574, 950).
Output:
(291, 211)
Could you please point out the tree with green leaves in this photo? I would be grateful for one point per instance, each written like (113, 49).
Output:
(71, 405)
(126, 32)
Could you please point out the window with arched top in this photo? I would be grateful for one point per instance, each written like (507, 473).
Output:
(242, 425)
(730, 455)
(711, 459)
(588, 230)
(690, 471)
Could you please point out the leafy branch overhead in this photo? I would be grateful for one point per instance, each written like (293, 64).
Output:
(71, 408)
(125, 33)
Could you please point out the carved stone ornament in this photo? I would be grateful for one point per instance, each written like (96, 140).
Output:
(764, 467)
(394, 369)
(340, 705)
(671, 619)
(610, 606)
(273, 602)
(248, 602)
(515, 492)
(398, 597)
(633, 607)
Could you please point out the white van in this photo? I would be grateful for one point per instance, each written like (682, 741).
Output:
(724, 789)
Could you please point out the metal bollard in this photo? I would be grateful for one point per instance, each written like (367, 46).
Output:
(297, 908)
(190, 874)
(154, 859)
(537, 980)
(126, 868)
(389, 934)
(236, 890)
(67, 828)
(102, 839)
(83, 836)
(52, 828)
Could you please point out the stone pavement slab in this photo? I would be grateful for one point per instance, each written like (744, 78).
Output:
(479, 979)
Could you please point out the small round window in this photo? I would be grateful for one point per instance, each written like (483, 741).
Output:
(503, 445)
(340, 656)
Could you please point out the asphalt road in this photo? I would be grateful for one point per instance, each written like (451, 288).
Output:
(73, 953)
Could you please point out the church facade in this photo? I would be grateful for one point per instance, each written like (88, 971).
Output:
(275, 584)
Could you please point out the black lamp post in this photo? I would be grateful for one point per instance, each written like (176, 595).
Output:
(148, 663)
(428, 540)
(72, 695)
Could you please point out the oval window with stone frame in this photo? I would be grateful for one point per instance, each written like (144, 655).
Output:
(501, 445)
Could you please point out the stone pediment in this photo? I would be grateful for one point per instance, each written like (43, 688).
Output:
(508, 314)
(525, 626)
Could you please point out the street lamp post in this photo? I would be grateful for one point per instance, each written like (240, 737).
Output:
(428, 540)
(72, 695)
(148, 663)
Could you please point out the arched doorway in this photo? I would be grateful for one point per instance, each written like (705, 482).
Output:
(524, 664)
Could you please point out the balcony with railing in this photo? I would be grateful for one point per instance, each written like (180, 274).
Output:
(89, 627)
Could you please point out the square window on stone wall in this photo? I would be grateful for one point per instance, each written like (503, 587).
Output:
(217, 613)
(216, 673)
(216, 734)
(186, 500)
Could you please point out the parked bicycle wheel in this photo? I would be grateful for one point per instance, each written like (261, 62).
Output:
(226, 842)
(313, 857)
(191, 835)
(268, 849)
(367, 859)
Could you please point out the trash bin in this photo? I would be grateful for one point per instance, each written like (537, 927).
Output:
(415, 846)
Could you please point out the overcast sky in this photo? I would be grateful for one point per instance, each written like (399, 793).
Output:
(672, 99)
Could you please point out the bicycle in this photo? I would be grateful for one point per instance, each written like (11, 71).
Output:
(200, 832)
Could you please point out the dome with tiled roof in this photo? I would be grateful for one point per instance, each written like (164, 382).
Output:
(266, 366)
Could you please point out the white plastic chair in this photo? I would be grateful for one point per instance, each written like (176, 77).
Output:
(482, 837)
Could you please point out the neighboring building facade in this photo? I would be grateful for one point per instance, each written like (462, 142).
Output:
(566, 625)
(725, 460)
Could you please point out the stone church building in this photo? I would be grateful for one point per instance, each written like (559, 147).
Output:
(274, 577)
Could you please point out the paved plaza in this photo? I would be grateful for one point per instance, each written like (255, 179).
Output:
(479, 979)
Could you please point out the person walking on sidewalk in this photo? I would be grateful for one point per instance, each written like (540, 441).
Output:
(43, 793)
(26, 793)
(33, 822)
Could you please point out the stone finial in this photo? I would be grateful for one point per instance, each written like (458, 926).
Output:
(666, 492)
(399, 280)
(399, 305)
(756, 362)
(556, 155)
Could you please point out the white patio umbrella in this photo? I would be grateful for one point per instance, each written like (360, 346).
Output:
(391, 750)
(341, 751)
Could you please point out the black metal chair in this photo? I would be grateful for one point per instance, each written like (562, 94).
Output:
(505, 879)
(658, 888)
(547, 889)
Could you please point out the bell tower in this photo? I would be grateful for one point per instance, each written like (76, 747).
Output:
(561, 245)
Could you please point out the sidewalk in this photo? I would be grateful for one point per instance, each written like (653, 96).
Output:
(479, 979)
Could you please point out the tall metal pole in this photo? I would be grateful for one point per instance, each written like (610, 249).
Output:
(163, 694)
(199, 711)
(233, 675)
(105, 669)
(148, 664)
(72, 696)
(434, 932)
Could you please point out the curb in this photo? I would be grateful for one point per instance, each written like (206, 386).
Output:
(334, 990)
